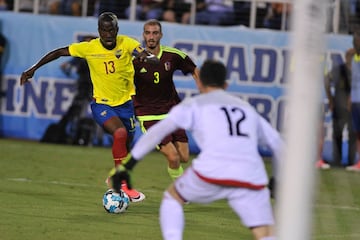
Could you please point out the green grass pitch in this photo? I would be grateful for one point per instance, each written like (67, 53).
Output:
(54, 192)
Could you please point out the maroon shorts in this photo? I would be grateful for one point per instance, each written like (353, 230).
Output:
(177, 136)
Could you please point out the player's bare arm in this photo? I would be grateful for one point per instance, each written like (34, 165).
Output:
(196, 76)
(29, 73)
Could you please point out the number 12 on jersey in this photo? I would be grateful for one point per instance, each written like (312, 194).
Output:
(235, 116)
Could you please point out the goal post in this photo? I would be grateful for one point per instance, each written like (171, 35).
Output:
(295, 198)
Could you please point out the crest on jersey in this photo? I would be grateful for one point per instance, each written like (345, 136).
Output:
(143, 70)
(167, 66)
(118, 54)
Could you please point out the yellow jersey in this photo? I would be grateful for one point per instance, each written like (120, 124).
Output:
(111, 71)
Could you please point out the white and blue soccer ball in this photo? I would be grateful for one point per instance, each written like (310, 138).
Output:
(114, 202)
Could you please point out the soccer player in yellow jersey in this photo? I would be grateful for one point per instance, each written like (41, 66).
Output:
(111, 69)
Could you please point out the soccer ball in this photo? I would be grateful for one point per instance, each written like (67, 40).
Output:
(114, 202)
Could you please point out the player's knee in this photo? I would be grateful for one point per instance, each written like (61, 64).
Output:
(263, 232)
(173, 194)
(120, 134)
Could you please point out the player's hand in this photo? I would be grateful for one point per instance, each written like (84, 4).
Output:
(272, 187)
(142, 56)
(119, 175)
(152, 59)
(147, 57)
(123, 173)
(25, 76)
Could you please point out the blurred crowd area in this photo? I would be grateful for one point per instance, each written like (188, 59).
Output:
(343, 15)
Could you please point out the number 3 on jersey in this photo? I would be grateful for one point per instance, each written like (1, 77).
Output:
(235, 116)
(157, 77)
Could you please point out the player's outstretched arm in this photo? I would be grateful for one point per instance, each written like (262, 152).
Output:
(29, 73)
(272, 138)
(145, 56)
(143, 146)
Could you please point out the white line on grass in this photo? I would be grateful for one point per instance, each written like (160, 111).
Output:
(338, 207)
(49, 182)
(59, 183)
(350, 208)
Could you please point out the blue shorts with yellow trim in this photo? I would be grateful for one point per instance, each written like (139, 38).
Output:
(125, 112)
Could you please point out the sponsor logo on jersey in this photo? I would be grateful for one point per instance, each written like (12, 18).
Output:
(167, 66)
(143, 70)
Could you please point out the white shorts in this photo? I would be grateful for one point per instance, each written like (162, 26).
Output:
(252, 206)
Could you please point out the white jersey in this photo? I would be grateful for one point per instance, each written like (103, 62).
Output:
(228, 132)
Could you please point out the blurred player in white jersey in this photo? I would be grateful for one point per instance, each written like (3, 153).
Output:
(355, 97)
(228, 131)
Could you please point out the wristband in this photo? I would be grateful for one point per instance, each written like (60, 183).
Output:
(130, 164)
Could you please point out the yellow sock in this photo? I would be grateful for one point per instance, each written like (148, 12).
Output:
(175, 173)
(125, 159)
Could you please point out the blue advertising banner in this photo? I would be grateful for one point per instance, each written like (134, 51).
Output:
(257, 62)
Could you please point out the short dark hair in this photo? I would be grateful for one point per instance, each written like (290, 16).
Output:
(213, 73)
(153, 22)
(108, 17)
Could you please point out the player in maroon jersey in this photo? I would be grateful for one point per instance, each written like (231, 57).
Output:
(156, 93)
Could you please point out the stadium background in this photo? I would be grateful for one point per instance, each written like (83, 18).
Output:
(256, 59)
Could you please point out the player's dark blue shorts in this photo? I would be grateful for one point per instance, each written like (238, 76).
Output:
(125, 112)
(355, 112)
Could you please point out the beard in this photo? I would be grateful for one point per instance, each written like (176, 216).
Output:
(152, 44)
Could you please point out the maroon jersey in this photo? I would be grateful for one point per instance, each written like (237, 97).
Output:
(154, 85)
